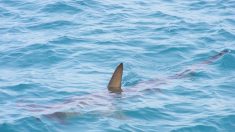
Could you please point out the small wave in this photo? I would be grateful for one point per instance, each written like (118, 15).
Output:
(5, 13)
(21, 87)
(59, 24)
(61, 7)
(231, 21)
(37, 54)
(147, 113)
(226, 34)
(162, 15)
(5, 94)
(130, 128)
(68, 40)
(197, 128)
(26, 124)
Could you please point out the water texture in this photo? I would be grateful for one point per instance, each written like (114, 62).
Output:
(57, 51)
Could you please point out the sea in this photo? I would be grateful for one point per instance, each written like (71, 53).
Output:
(57, 57)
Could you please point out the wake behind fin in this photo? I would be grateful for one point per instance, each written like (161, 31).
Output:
(116, 80)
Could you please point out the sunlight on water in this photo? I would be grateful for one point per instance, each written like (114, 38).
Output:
(56, 59)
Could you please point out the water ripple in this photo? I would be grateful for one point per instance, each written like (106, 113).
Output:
(57, 56)
(60, 7)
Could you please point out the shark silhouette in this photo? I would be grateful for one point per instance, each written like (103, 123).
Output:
(115, 86)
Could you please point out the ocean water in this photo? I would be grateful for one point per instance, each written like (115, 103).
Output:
(57, 56)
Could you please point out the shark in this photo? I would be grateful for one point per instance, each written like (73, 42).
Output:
(114, 86)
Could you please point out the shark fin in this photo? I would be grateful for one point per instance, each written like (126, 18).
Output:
(116, 80)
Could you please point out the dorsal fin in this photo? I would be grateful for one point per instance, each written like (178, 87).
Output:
(116, 80)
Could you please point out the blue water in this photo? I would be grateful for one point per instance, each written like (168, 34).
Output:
(54, 51)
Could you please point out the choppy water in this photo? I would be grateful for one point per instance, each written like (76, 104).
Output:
(52, 51)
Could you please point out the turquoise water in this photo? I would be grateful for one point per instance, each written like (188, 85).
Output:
(58, 56)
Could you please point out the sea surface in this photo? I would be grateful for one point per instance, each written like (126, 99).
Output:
(57, 56)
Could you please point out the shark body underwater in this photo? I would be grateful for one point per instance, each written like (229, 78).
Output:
(114, 88)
